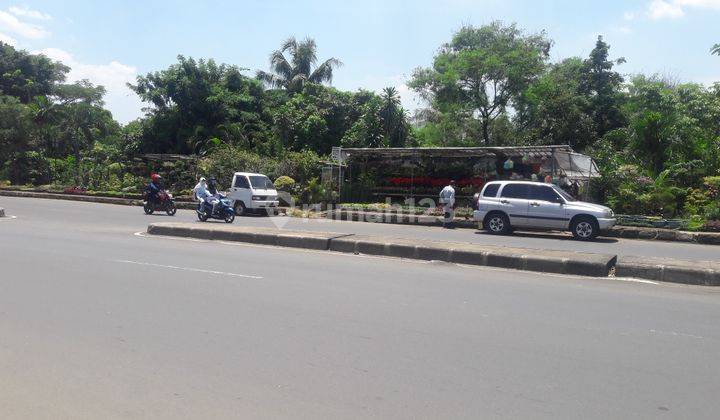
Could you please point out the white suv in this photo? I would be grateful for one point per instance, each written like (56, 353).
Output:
(504, 205)
(252, 192)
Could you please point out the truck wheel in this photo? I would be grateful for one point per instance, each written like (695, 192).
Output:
(240, 208)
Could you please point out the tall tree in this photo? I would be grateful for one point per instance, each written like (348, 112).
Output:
(291, 72)
(196, 102)
(26, 76)
(393, 117)
(481, 71)
(602, 85)
(554, 111)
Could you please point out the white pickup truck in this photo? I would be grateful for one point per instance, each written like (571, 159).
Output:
(252, 192)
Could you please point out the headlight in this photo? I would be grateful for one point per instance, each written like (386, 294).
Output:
(255, 198)
(609, 213)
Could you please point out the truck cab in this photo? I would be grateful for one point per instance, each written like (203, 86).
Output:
(251, 192)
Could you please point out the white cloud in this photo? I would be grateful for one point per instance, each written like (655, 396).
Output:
(10, 23)
(24, 11)
(673, 9)
(8, 39)
(120, 100)
(660, 9)
(629, 15)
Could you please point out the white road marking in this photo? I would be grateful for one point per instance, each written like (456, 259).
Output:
(634, 280)
(7, 218)
(195, 270)
(677, 334)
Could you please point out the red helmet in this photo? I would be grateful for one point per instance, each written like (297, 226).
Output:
(155, 177)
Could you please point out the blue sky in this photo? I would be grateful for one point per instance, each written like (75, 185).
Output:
(379, 41)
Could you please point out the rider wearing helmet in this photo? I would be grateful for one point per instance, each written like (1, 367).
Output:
(154, 188)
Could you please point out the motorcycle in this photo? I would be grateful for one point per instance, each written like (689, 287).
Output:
(223, 211)
(164, 202)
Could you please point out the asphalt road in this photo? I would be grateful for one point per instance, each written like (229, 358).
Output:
(96, 322)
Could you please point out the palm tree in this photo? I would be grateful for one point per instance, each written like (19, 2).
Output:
(292, 72)
(715, 49)
(393, 117)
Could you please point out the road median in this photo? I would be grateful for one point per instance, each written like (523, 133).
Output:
(545, 261)
(702, 273)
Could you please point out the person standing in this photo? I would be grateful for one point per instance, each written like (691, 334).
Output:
(447, 199)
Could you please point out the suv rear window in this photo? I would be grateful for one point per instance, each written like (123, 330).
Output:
(491, 190)
(515, 191)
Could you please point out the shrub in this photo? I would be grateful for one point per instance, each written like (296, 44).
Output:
(713, 212)
(284, 183)
(28, 168)
(301, 166)
(712, 183)
(696, 201)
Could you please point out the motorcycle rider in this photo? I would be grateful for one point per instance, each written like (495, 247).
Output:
(207, 192)
(212, 187)
(154, 188)
(200, 191)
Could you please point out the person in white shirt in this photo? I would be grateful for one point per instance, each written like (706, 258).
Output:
(447, 199)
(202, 194)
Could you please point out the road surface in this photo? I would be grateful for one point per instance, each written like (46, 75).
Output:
(96, 322)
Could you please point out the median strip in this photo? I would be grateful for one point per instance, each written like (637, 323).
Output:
(545, 261)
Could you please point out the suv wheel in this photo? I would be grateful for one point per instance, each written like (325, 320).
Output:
(585, 228)
(497, 224)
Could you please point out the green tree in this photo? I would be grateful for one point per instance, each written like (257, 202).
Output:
(481, 71)
(553, 110)
(394, 119)
(198, 104)
(715, 49)
(299, 67)
(26, 76)
(602, 86)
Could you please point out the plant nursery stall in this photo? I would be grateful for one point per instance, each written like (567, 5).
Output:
(399, 174)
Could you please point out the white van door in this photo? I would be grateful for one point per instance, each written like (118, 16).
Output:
(240, 190)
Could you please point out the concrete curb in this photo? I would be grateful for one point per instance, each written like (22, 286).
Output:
(576, 263)
(702, 273)
(630, 232)
(260, 236)
(544, 261)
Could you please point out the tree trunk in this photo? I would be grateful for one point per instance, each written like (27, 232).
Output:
(486, 134)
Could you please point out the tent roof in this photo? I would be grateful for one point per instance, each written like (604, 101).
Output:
(450, 152)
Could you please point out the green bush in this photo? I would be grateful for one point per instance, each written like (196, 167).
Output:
(713, 212)
(28, 168)
(284, 183)
(301, 166)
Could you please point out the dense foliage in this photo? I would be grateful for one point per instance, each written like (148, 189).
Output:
(657, 141)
